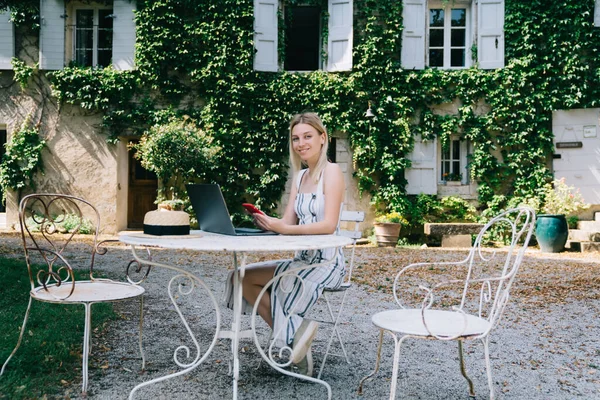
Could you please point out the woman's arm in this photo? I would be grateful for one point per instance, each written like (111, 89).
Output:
(333, 188)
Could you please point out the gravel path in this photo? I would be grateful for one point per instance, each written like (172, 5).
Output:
(546, 347)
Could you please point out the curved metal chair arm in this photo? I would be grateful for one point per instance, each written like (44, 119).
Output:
(101, 249)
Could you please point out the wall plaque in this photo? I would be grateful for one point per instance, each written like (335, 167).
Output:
(569, 145)
(589, 131)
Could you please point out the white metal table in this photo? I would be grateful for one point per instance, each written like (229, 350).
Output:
(239, 247)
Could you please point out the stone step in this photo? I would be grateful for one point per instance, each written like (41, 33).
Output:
(579, 235)
(592, 226)
(597, 216)
(584, 247)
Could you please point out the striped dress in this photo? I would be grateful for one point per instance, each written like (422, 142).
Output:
(290, 299)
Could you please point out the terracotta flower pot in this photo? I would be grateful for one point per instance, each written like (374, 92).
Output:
(387, 233)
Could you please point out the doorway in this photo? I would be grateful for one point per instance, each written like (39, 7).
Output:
(141, 195)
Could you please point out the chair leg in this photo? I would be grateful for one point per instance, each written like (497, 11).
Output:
(377, 362)
(86, 346)
(463, 370)
(335, 319)
(20, 336)
(488, 367)
(396, 366)
(141, 329)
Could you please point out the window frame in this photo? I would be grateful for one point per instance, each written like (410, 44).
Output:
(95, 35)
(321, 47)
(335, 53)
(447, 47)
(463, 159)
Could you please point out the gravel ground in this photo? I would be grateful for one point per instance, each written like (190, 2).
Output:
(546, 347)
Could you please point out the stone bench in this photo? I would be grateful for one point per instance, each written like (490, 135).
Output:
(453, 234)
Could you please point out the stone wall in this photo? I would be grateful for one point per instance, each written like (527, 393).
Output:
(77, 160)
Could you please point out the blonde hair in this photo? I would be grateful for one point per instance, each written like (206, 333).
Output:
(312, 119)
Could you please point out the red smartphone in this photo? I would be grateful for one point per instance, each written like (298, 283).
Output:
(251, 208)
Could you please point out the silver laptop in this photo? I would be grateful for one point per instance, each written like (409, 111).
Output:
(212, 214)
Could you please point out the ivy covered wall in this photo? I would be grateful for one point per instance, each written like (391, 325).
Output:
(195, 57)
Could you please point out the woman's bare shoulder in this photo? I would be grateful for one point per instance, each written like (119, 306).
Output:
(333, 168)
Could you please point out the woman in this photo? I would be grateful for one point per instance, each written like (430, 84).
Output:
(314, 209)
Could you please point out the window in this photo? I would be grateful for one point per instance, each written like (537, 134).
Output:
(87, 33)
(433, 165)
(93, 37)
(443, 34)
(448, 37)
(304, 42)
(303, 39)
(453, 162)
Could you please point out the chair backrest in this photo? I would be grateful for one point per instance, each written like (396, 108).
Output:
(490, 276)
(480, 284)
(353, 219)
(48, 224)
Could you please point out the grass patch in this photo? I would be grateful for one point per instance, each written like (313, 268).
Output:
(49, 358)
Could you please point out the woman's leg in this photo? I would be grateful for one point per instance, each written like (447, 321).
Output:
(255, 278)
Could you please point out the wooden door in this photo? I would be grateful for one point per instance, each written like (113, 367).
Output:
(143, 185)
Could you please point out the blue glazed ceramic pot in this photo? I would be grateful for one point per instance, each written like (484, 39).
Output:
(551, 232)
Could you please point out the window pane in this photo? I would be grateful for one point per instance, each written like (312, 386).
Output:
(436, 58)
(104, 57)
(85, 19)
(456, 167)
(84, 37)
(436, 38)
(455, 149)
(459, 17)
(105, 20)
(457, 37)
(445, 153)
(104, 39)
(457, 57)
(83, 57)
(303, 37)
(436, 17)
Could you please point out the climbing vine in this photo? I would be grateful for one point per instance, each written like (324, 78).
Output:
(196, 56)
(22, 158)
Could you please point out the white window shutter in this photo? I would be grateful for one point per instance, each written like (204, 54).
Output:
(123, 51)
(339, 46)
(52, 34)
(265, 35)
(422, 175)
(7, 40)
(490, 34)
(413, 35)
(597, 13)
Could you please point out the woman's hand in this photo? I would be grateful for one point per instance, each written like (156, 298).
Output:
(267, 223)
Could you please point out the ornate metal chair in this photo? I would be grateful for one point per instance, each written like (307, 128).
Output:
(355, 218)
(48, 225)
(458, 300)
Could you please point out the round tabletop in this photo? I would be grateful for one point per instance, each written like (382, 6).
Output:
(205, 241)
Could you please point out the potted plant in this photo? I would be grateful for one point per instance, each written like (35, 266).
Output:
(387, 228)
(560, 201)
(452, 179)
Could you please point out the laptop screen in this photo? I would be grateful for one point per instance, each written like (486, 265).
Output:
(211, 211)
(210, 208)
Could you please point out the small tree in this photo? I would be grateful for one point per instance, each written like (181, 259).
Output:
(177, 152)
